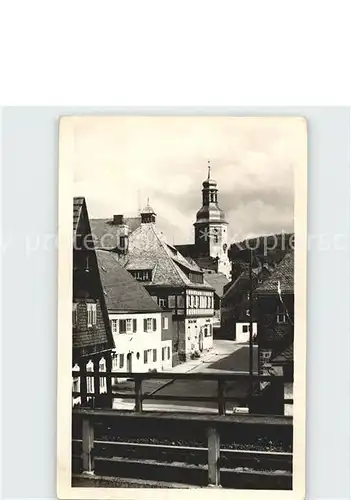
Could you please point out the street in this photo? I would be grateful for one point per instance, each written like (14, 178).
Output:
(225, 356)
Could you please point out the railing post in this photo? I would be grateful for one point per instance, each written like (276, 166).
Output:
(213, 456)
(109, 381)
(88, 446)
(221, 402)
(83, 383)
(138, 394)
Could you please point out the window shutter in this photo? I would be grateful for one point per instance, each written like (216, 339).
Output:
(145, 325)
(154, 322)
(134, 325)
(122, 326)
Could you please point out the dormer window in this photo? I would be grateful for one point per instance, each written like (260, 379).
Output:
(142, 274)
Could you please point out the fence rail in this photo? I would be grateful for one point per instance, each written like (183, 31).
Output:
(213, 464)
(104, 378)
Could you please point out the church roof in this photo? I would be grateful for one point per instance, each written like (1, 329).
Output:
(149, 250)
(122, 292)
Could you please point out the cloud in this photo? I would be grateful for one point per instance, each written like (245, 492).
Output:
(120, 161)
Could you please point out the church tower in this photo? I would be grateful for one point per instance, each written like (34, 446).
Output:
(211, 228)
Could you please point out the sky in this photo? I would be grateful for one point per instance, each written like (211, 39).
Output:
(119, 162)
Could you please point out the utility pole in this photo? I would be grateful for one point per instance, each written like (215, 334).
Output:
(251, 325)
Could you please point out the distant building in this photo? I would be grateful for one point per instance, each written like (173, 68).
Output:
(275, 309)
(235, 305)
(275, 335)
(210, 250)
(92, 337)
(174, 283)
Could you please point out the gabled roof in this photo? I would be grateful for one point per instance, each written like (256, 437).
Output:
(104, 231)
(87, 342)
(283, 273)
(147, 247)
(217, 281)
(241, 283)
(122, 292)
(78, 203)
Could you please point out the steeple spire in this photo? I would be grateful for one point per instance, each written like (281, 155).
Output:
(209, 169)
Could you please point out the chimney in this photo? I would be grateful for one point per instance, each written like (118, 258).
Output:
(118, 220)
(122, 234)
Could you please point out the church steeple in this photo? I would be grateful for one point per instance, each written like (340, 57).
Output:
(211, 225)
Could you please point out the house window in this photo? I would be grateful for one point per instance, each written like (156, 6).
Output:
(162, 302)
(163, 353)
(208, 331)
(146, 357)
(150, 324)
(281, 315)
(103, 381)
(91, 308)
(171, 301)
(245, 328)
(76, 380)
(168, 352)
(154, 355)
(165, 323)
(281, 318)
(90, 380)
(114, 325)
(74, 315)
(121, 360)
(115, 362)
(180, 301)
(129, 325)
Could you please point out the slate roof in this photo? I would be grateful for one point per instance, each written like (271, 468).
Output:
(87, 342)
(284, 273)
(242, 282)
(148, 248)
(104, 231)
(122, 292)
(217, 281)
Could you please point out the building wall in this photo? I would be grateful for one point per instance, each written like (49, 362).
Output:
(198, 334)
(242, 331)
(136, 343)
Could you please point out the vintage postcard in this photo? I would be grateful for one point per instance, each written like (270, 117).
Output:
(182, 307)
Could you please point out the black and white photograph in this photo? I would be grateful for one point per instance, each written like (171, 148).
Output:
(182, 305)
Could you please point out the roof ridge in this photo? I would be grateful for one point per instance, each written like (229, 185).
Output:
(163, 243)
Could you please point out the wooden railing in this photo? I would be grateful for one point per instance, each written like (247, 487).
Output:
(260, 469)
(220, 398)
(96, 409)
